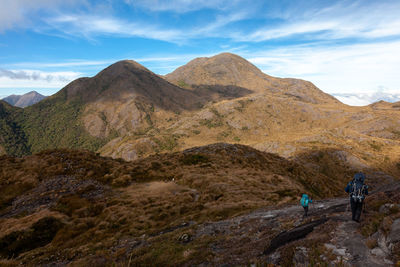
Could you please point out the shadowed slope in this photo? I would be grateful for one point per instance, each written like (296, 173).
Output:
(127, 78)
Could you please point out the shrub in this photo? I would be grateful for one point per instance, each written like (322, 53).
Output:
(193, 159)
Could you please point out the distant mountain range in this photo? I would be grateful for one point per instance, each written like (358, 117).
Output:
(25, 100)
(362, 99)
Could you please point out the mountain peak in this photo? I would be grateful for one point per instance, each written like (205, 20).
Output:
(126, 80)
(227, 69)
(25, 100)
(122, 67)
(223, 69)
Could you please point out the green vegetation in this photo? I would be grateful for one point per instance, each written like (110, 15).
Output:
(183, 84)
(196, 132)
(12, 137)
(166, 143)
(375, 146)
(52, 123)
(211, 123)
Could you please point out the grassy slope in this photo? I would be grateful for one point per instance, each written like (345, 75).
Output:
(100, 206)
(55, 123)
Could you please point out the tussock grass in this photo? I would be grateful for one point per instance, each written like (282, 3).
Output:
(122, 210)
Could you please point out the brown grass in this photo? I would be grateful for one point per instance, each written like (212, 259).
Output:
(102, 201)
(374, 220)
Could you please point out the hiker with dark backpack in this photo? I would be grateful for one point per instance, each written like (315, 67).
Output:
(357, 190)
(304, 201)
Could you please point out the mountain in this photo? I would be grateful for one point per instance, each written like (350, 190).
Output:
(286, 116)
(125, 97)
(235, 153)
(25, 100)
(227, 69)
(126, 111)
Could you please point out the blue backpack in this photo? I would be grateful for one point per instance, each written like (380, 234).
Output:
(304, 200)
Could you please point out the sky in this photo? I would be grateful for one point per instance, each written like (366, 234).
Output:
(350, 49)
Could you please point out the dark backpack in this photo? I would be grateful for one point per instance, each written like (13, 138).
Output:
(358, 188)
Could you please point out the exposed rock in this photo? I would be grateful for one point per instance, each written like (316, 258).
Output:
(293, 234)
(394, 235)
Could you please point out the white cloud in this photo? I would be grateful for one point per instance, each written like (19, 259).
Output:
(36, 79)
(340, 20)
(357, 68)
(88, 26)
(181, 6)
(369, 98)
(17, 13)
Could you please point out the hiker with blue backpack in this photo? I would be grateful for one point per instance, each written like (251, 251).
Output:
(304, 201)
(357, 190)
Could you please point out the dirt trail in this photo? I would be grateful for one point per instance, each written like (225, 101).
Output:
(257, 237)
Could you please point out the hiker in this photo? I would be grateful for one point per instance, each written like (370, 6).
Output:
(357, 190)
(305, 200)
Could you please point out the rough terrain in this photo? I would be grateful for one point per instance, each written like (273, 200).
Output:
(282, 236)
(211, 205)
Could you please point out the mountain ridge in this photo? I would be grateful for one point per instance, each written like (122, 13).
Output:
(128, 111)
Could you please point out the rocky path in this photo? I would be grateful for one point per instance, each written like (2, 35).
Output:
(350, 247)
(259, 237)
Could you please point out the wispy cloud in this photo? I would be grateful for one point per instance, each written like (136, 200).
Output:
(65, 64)
(90, 26)
(35, 78)
(340, 20)
(181, 6)
(36, 75)
(19, 13)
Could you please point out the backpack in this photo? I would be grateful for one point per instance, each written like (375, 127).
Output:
(304, 200)
(358, 188)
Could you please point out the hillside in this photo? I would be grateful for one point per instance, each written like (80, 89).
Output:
(12, 138)
(25, 100)
(89, 111)
(83, 204)
(128, 112)
(266, 116)
(62, 207)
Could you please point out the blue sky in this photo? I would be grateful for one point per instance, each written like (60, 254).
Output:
(350, 49)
